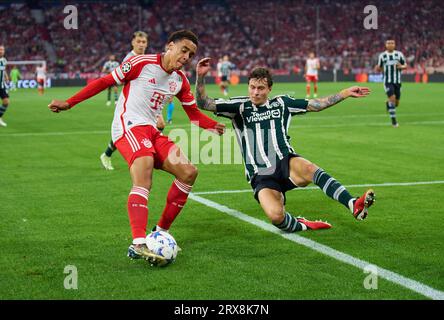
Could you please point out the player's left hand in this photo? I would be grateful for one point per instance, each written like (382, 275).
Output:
(219, 128)
(203, 66)
(357, 92)
(58, 105)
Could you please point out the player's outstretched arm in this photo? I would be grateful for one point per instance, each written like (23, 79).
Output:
(202, 99)
(324, 103)
(87, 92)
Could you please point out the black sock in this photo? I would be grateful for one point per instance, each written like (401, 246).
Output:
(3, 108)
(110, 149)
(290, 224)
(392, 112)
(332, 188)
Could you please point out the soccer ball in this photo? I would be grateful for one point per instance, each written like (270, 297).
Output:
(163, 244)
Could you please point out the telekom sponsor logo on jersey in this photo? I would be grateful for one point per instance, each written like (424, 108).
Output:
(157, 99)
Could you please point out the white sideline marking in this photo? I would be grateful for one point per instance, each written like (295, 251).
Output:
(299, 126)
(68, 133)
(387, 184)
(335, 254)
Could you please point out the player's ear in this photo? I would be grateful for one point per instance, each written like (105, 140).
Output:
(170, 46)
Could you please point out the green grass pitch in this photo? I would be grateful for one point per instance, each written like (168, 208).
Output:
(60, 208)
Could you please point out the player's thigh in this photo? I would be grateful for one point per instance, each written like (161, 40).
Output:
(141, 171)
(302, 171)
(5, 101)
(177, 163)
(272, 202)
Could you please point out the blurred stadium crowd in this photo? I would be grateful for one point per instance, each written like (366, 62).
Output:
(278, 34)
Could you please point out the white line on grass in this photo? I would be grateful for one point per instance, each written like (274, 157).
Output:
(68, 133)
(335, 254)
(387, 184)
(299, 126)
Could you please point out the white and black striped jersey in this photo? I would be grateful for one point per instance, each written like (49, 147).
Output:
(110, 65)
(261, 131)
(226, 67)
(387, 61)
(3, 63)
(129, 55)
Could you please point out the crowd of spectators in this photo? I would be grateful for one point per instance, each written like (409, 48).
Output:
(277, 34)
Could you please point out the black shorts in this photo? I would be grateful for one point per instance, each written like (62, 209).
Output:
(393, 89)
(224, 78)
(278, 180)
(3, 93)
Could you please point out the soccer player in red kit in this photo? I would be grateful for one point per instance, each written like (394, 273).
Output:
(149, 82)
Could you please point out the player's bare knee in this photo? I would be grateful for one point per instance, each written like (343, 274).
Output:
(308, 172)
(276, 215)
(189, 174)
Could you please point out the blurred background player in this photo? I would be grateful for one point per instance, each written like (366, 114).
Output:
(3, 90)
(108, 67)
(15, 76)
(170, 110)
(225, 70)
(311, 74)
(391, 62)
(41, 78)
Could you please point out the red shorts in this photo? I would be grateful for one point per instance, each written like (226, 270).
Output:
(141, 141)
(310, 78)
(40, 82)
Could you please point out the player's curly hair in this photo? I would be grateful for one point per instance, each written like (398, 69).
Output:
(183, 34)
(261, 73)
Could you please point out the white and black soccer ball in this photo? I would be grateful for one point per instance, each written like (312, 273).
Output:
(163, 244)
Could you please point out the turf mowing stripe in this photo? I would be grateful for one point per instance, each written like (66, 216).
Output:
(335, 254)
(388, 184)
(58, 133)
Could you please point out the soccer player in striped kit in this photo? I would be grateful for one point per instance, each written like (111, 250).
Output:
(149, 82)
(272, 166)
(391, 62)
(3, 90)
(108, 67)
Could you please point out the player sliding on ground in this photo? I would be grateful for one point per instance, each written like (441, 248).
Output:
(272, 167)
(149, 83)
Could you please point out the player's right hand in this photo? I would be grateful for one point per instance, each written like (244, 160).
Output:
(219, 128)
(58, 105)
(203, 66)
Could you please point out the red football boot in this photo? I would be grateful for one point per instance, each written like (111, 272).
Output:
(361, 205)
(313, 225)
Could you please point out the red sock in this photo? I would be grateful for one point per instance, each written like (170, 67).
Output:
(315, 88)
(138, 213)
(176, 199)
(308, 89)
